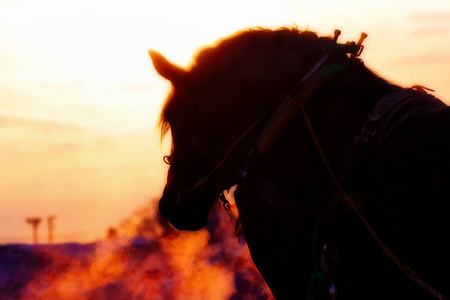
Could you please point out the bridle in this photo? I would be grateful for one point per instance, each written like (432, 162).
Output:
(301, 93)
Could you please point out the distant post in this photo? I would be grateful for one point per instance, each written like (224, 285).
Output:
(50, 228)
(35, 223)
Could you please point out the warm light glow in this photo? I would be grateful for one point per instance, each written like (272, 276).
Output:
(144, 260)
(79, 101)
(79, 98)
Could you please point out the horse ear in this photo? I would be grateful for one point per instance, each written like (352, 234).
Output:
(167, 69)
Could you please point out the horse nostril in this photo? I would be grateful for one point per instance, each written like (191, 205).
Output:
(178, 199)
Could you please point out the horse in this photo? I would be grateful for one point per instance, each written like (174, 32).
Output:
(341, 175)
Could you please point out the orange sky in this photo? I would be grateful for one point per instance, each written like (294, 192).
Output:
(79, 99)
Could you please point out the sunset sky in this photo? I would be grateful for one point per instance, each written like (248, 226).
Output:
(79, 98)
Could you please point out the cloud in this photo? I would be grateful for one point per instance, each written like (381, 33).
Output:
(85, 176)
(424, 59)
(10, 119)
(430, 17)
(429, 24)
(32, 134)
(429, 31)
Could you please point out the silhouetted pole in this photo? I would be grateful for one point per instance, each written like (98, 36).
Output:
(35, 223)
(50, 228)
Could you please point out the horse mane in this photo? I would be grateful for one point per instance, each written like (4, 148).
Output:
(219, 58)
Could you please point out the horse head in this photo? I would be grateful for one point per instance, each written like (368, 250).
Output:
(186, 200)
(219, 102)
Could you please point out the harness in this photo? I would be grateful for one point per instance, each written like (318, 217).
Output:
(377, 128)
(382, 121)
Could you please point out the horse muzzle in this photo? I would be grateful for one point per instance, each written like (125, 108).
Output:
(185, 211)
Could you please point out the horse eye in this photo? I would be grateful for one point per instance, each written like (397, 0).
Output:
(167, 159)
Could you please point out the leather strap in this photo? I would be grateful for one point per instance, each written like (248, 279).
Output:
(291, 107)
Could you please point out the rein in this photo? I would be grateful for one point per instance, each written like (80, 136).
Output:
(410, 273)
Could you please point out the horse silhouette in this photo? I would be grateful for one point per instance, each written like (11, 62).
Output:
(342, 177)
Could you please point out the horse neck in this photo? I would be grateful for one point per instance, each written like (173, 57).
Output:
(337, 113)
(339, 110)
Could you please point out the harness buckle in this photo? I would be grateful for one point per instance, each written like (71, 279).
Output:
(225, 202)
(359, 43)
(365, 136)
(352, 48)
